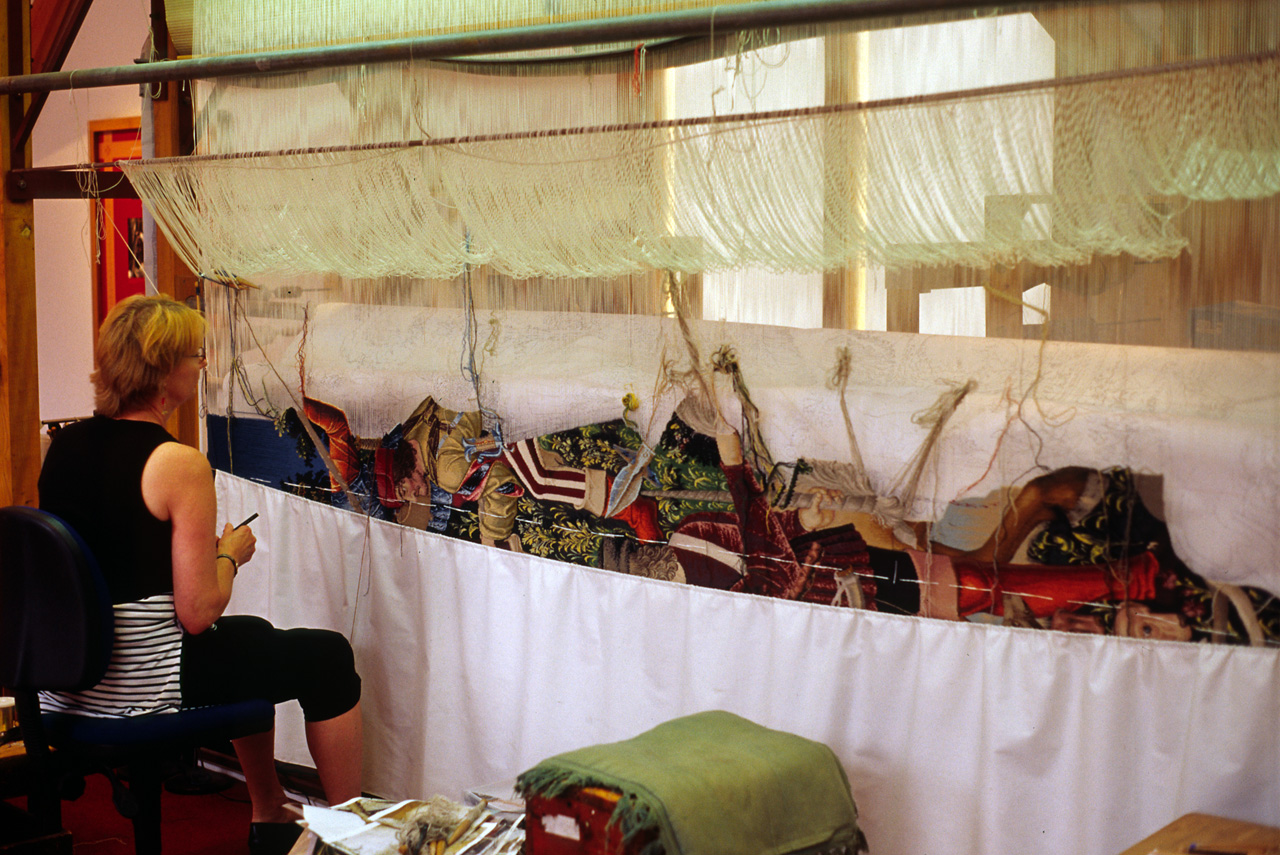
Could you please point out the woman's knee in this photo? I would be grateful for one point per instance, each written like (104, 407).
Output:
(333, 684)
(334, 650)
(245, 623)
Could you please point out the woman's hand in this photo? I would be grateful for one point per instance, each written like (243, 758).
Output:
(239, 543)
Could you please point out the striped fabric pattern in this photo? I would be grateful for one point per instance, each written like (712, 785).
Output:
(144, 674)
(542, 479)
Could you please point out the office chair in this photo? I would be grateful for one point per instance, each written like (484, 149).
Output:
(56, 633)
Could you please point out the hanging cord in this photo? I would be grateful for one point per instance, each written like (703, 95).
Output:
(152, 91)
(839, 380)
(233, 298)
(363, 580)
(261, 404)
(230, 281)
(755, 78)
(470, 329)
(233, 288)
(935, 419)
(468, 366)
(888, 510)
(302, 348)
(725, 361)
(693, 375)
(1019, 406)
(1017, 413)
(89, 182)
(850, 481)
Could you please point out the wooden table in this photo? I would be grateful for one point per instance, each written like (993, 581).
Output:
(13, 769)
(18, 835)
(1208, 835)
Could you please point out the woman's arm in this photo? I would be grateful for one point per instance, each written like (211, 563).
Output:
(177, 485)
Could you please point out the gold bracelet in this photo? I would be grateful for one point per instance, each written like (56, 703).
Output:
(235, 565)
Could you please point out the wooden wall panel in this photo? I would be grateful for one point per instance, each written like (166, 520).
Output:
(19, 379)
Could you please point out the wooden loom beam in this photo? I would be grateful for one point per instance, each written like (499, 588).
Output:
(628, 29)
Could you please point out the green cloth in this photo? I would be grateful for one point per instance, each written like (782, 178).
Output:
(715, 784)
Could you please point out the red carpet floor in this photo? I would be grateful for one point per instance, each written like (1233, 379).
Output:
(216, 824)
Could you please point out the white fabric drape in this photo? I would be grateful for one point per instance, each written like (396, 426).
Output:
(957, 738)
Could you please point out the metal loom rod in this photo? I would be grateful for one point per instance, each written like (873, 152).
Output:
(623, 29)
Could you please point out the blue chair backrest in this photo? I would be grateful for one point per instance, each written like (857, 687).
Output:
(56, 621)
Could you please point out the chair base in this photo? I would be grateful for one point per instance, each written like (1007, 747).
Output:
(19, 835)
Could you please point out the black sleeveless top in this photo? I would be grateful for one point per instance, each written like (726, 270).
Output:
(92, 479)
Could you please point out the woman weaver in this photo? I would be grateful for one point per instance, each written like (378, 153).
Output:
(145, 505)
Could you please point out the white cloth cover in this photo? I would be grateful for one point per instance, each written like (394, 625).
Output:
(957, 738)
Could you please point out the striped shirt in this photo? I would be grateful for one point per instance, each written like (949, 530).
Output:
(144, 674)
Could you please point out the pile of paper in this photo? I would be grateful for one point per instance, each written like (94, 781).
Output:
(374, 827)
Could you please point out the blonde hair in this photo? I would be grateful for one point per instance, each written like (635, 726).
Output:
(140, 342)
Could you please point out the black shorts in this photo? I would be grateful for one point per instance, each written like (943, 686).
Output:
(244, 657)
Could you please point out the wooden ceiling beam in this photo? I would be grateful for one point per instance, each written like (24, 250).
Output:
(54, 27)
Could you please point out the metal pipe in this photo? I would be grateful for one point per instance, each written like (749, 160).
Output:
(628, 29)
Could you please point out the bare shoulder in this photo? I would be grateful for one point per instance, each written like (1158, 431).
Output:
(174, 476)
(173, 459)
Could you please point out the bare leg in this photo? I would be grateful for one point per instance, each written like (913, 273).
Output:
(258, 762)
(337, 747)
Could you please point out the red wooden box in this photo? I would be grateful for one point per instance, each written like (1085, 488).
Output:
(577, 823)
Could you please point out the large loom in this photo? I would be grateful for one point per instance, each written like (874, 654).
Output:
(499, 234)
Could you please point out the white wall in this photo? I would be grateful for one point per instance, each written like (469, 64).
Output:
(113, 34)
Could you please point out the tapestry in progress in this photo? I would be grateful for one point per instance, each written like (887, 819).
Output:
(1077, 549)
